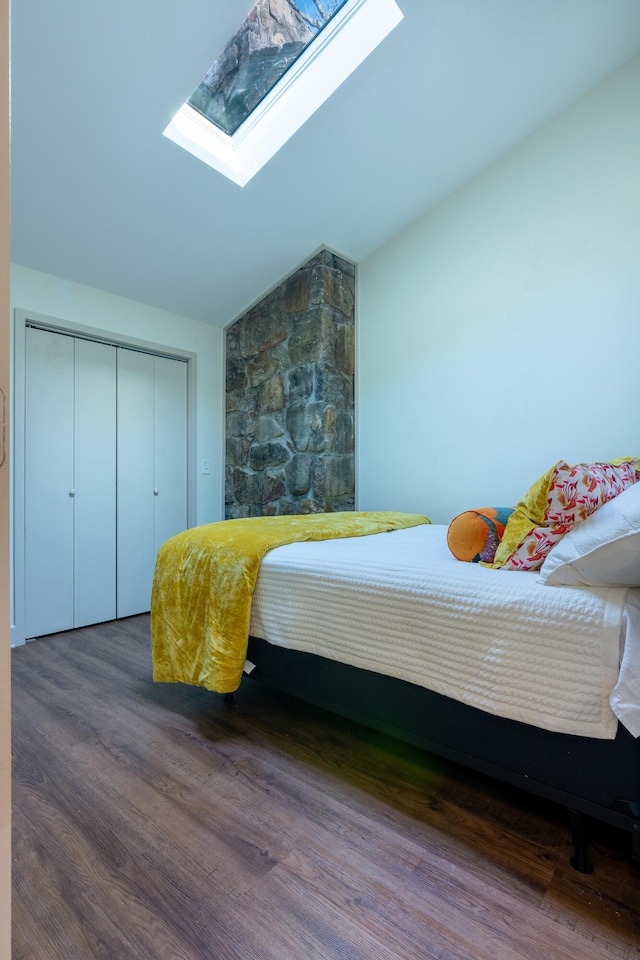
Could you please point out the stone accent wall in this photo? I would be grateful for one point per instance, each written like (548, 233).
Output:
(290, 415)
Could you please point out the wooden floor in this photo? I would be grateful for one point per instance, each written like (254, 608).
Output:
(156, 822)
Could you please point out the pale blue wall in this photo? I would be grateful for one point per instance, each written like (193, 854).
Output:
(501, 331)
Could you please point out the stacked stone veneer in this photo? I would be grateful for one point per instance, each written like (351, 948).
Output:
(290, 415)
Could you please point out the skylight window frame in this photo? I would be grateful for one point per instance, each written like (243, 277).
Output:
(350, 36)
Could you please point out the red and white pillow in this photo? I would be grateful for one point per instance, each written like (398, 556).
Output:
(561, 498)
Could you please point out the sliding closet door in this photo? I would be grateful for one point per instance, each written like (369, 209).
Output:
(105, 477)
(94, 544)
(135, 481)
(69, 482)
(170, 449)
(49, 483)
(152, 469)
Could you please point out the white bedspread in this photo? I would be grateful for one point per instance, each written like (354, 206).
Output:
(399, 603)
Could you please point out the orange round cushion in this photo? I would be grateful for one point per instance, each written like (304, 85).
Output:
(475, 534)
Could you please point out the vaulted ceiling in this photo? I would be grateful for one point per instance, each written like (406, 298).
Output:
(100, 197)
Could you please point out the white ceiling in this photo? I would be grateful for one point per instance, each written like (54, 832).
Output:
(100, 197)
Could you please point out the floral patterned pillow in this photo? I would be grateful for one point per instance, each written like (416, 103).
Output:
(562, 497)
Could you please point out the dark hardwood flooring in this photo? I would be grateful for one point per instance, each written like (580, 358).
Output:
(154, 822)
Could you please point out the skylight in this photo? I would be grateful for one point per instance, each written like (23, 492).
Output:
(270, 40)
(284, 61)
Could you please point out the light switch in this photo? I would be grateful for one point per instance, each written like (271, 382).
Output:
(205, 468)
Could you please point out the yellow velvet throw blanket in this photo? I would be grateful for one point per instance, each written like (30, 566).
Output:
(204, 581)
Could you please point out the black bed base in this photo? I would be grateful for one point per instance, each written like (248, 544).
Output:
(597, 779)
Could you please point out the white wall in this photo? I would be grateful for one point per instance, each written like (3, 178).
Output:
(71, 302)
(501, 332)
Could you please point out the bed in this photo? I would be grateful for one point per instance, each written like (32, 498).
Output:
(536, 685)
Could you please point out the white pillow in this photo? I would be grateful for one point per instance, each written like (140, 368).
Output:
(601, 551)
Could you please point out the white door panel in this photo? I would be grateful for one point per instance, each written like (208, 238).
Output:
(135, 482)
(95, 483)
(105, 477)
(170, 449)
(49, 401)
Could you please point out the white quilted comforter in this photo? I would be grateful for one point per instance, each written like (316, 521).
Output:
(562, 658)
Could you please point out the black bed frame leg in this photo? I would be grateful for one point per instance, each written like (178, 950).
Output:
(580, 860)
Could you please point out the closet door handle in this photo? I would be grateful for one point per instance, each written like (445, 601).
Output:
(156, 492)
(72, 493)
